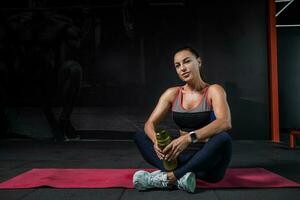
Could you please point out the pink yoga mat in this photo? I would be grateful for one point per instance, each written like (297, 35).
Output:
(112, 178)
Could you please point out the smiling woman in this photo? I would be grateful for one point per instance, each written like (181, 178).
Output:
(202, 114)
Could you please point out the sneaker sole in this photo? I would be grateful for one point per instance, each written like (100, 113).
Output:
(191, 182)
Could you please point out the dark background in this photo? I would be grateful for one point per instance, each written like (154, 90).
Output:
(288, 67)
(288, 41)
(127, 49)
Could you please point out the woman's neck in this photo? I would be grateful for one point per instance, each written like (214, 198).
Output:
(196, 85)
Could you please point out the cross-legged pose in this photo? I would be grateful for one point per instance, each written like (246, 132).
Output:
(202, 114)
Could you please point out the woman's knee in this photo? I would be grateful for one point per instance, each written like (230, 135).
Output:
(226, 144)
(226, 141)
(139, 136)
(223, 137)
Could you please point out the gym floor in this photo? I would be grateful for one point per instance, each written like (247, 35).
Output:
(20, 155)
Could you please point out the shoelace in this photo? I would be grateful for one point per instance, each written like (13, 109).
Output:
(181, 184)
(158, 180)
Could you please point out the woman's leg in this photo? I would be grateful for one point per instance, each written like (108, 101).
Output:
(145, 146)
(217, 173)
(210, 162)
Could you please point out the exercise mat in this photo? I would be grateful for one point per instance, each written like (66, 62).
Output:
(122, 178)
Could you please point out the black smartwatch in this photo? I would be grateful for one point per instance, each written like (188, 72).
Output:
(193, 136)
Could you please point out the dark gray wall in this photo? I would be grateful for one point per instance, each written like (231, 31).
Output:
(289, 81)
(129, 61)
(232, 39)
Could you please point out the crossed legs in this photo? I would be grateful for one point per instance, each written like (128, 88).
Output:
(208, 163)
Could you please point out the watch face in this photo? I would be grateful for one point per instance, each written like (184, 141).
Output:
(193, 136)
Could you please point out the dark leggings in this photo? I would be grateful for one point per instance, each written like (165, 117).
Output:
(209, 163)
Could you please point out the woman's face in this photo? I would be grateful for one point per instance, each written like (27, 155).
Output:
(186, 65)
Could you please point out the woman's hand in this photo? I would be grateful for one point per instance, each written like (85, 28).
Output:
(158, 151)
(173, 150)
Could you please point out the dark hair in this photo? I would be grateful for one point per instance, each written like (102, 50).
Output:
(188, 48)
(196, 54)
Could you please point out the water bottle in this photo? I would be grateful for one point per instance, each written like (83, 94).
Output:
(163, 139)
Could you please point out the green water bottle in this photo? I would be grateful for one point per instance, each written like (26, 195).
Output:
(163, 139)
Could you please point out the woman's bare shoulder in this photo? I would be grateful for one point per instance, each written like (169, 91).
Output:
(170, 93)
(216, 89)
(216, 86)
(173, 90)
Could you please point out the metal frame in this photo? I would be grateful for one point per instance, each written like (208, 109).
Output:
(280, 1)
(289, 2)
(273, 65)
(273, 72)
(287, 25)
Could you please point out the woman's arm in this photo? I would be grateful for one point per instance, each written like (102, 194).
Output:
(163, 106)
(221, 109)
(160, 111)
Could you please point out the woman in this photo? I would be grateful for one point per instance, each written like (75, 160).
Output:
(202, 114)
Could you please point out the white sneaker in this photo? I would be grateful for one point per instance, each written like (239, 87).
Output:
(187, 182)
(140, 180)
(143, 180)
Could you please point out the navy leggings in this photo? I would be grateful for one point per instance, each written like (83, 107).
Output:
(208, 162)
